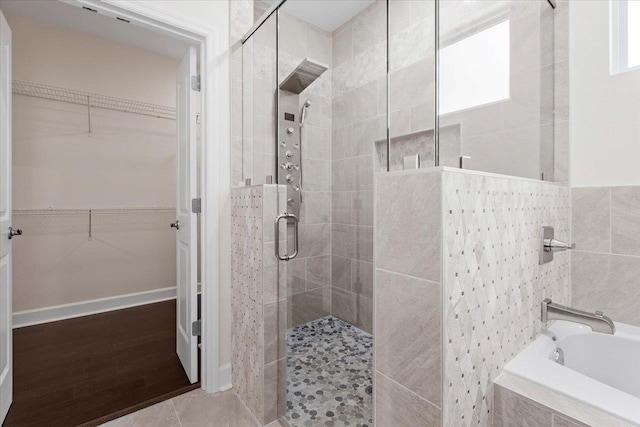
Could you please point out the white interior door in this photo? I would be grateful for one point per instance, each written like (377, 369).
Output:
(187, 228)
(6, 353)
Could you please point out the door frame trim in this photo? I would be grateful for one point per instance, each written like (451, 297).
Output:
(214, 179)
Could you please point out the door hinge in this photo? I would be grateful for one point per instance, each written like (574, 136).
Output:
(196, 205)
(196, 328)
(195, 83)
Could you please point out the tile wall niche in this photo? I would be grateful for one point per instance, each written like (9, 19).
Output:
(460, 257)
(605, 266)
(258, 302)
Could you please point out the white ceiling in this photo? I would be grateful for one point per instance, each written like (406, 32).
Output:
(325, 14)
(106, 27)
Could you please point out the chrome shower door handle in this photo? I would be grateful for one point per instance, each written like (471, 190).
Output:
(286, 216)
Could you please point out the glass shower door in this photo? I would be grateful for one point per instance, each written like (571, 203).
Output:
(331, 114)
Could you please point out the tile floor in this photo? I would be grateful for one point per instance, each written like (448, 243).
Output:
(193, 409)
(329, 364)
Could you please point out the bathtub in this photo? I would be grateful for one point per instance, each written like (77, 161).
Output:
(599, 381)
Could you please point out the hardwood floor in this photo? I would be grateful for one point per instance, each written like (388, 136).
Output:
(91, 369)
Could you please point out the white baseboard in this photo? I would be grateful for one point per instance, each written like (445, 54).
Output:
(225, 377)
(85, 308)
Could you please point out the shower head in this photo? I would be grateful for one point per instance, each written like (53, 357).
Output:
(306, 105)
(304, 74)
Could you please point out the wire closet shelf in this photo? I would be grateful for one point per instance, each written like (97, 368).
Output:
(90, 220)
(91, 100)
(115, 210)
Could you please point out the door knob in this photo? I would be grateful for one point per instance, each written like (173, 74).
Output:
(175, 225)
(14, 232)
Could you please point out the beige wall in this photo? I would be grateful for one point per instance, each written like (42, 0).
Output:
(51, 55)
(127, 162)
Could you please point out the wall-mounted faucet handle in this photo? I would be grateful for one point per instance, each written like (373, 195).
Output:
(555, 245)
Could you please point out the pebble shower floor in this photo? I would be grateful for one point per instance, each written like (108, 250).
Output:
(329, 367)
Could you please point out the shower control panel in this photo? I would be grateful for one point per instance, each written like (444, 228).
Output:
(290, 161)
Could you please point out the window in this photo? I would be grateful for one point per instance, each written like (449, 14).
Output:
(475, 71)
(625, 35)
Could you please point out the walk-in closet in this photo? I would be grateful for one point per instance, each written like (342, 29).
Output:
(96, 248)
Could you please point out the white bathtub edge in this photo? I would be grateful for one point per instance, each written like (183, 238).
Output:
(558, 402)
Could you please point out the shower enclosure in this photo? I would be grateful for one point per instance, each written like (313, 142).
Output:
(336, 93)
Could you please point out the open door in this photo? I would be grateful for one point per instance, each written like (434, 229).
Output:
(186, 224)
(6, 331)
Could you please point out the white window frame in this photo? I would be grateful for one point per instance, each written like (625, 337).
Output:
(619, 37)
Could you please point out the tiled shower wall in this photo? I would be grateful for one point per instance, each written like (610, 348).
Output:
(408, 306)
(462, 253)
(258, 302)
(247, 344)
(605, 266)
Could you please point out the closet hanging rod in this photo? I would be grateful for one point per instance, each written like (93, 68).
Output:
(63, 211)
(55, 93)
